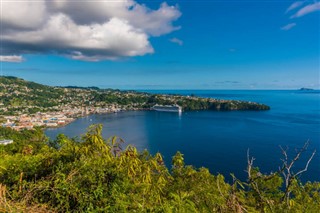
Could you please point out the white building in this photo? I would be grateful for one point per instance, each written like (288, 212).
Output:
(5, 142)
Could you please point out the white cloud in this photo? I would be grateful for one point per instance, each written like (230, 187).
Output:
(294, 5)
(310, 8)
(11, 58)
(154, 22)
(113, 39)
(23, 14)
(288, 26)
(84, 30)
(177, 41)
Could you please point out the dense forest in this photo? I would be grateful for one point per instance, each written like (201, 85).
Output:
(93, 174)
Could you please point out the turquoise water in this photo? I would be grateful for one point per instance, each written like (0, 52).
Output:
(220, 140)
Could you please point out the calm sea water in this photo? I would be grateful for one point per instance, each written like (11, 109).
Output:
(220, 140)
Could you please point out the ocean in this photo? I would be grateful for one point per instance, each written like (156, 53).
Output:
(220, 140)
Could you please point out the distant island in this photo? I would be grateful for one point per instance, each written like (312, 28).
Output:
(25, 104)
(305, 89)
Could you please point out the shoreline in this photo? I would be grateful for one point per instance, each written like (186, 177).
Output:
(56, 106)
(137, 109)
(53, 121)
(75, 118)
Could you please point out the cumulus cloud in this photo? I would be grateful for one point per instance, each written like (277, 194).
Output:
(61, 35)
(177, 41)
(310, 8)
(153, 22)
(83, 30)
(294, 5)
(288, 26)
(11, 58)
(23, 14)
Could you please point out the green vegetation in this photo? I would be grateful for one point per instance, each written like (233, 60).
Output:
(18, 96)
(97, 175)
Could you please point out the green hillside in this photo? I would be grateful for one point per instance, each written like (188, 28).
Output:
(18, 96)
(93, 174)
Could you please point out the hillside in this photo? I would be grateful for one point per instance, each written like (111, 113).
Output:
(18, 96)
(16, 92)
(93, 174)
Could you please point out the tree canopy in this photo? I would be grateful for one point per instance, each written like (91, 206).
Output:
(93, 174)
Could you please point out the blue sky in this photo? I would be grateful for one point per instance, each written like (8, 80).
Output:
(193, 45)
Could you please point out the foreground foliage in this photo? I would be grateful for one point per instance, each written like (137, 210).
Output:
(97, 175)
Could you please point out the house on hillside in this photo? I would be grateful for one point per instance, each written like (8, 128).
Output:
(5, 142)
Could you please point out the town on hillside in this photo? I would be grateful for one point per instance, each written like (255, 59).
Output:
(25, 105)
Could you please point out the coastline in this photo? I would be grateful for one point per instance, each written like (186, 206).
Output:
(150, 109)
(40, 105)
(214, 133)
(60, 119)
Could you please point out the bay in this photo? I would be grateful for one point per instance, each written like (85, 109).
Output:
(220, 140)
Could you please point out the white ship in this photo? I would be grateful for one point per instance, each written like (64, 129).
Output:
(167, 108)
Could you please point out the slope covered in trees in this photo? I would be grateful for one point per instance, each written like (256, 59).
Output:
(18, 96)
(97, 175)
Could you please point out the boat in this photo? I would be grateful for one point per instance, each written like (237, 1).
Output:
(167, 108)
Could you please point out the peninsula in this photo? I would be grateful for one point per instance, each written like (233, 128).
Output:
(25, 104)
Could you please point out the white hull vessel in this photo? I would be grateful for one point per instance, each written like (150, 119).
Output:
(167, 108)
